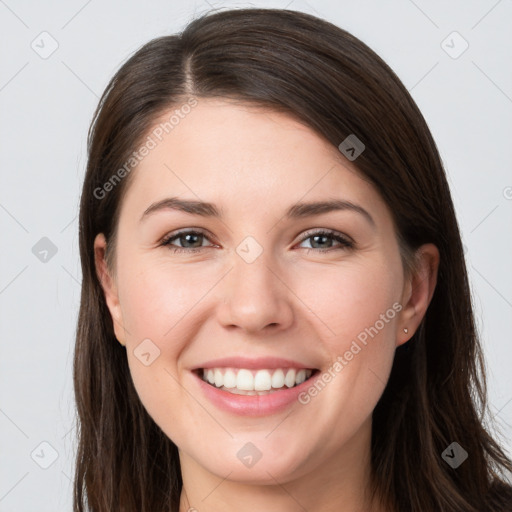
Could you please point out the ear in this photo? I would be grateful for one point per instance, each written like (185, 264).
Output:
(418, 291)
(109, 286)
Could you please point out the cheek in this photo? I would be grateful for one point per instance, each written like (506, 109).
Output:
(160, 307)
(158, 391)
(352, 302)
(356, 309)
(156, 298)
(157, 306)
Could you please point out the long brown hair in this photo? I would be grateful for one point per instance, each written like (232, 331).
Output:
(323, 76)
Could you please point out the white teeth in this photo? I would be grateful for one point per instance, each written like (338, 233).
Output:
(301, 376)
(262, 381)
(278, 379)
(255, 382)
(289, 380)
(218, 377)
(245, 380)
(230, 379)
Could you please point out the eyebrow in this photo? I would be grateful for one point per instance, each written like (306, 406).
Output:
(298, 210)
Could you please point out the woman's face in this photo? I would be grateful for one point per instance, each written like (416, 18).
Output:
(255, 282)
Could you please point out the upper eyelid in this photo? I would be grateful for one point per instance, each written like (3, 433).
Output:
(186, 231)
(333, 232)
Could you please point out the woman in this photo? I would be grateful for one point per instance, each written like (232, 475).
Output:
(314, 348)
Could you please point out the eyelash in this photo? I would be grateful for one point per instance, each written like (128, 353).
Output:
(344, 241)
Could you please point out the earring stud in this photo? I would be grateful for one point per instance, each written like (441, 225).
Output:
(406, 330)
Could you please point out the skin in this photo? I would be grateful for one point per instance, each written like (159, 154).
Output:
(290, 302)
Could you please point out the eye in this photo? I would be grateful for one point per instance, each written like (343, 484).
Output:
(191, 241)
(324, 236)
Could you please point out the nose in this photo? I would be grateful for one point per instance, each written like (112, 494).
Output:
(255, 297)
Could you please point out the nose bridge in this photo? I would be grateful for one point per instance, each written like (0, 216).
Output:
(253, 296)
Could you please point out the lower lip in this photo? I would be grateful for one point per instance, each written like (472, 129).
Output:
(253, 405)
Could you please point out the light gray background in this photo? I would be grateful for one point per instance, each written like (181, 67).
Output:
(46, 107)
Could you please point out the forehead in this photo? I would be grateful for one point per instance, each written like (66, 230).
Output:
(245, 156)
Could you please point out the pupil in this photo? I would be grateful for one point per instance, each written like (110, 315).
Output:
(188, 236)
(316, 237)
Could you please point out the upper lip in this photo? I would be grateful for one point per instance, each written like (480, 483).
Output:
(256, 363)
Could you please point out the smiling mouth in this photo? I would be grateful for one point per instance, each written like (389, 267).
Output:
(241, 381)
